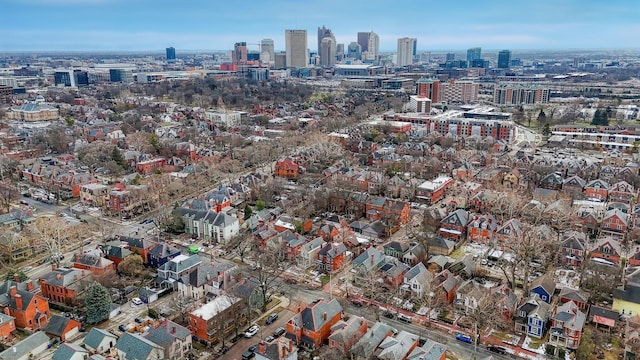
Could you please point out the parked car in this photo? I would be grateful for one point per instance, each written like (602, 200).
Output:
(139, 320)
(357, 302)
(464, 338)
(279, 332)
(136, 301)
(269, 339)
(497, 349)
(123, 328)
(248, 355)
(271, 318)
(251, 331)
(27, 268)
(253, 348)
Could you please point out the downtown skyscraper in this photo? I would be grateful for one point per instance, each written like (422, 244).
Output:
(267, 51)
(296, 48)
(504, 59)
(406, 48)
(326, 47)
(369, 45)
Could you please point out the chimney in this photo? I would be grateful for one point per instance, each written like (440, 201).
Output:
(324, 316)
(58, 276)
(16, 278)
(261, 347)
(12, 291)
(284, 351)
(290, 347)
(173, 330)
(18, 299)
(29, 285)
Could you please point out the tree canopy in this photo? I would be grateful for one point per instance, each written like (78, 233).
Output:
(600, 117)
(98, 303)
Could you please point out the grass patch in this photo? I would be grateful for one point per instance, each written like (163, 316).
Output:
(503, 336)
(325, 279)
(536, 343)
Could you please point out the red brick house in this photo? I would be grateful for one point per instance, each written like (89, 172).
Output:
(344, 334)
(607, 249)
(328, 231)
(290, 243)
(287, 168)
(482, 228)
(597, 189)
(331, 257)
(150, 166)
(7, 326)
(446, 284)
(572, 248)
(634, 260)
(138, 246)
(63, 285)
(31, 311)
(454, 225)
(614, 223)
(434, 190)
(311, 326)
(622, 191)
(508, 231)
(94, 262)
(579, 297)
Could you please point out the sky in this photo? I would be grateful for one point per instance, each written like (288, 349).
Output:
(153, 25)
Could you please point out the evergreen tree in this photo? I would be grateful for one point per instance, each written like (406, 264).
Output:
(116, 156)
(98, 303)
(11, 275)
(247, 212)
(546, 129)
(542, 117)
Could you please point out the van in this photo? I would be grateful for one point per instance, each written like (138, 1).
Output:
(405, 318)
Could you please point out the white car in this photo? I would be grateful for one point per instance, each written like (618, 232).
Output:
(136, 301)
(252, 331)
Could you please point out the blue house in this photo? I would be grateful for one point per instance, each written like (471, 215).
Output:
(161, 254)
(532, 317)
(544, 287)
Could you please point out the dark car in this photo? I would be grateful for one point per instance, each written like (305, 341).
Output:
(139, 320)
(357, 302)
(497, 349)
(272, 318)
(123, 328)
(248, 355)
(388, 314)
(253, 348)
(279, 332)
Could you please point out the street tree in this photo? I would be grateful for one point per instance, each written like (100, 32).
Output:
(8, 194)
(98, 303)
(53, 235)
(265, 273)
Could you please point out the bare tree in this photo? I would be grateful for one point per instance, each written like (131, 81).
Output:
(53, 235)
(265, 273)
(8, 194)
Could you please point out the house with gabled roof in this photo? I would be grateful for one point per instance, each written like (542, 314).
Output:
(634, 260)
(116, 251)
(344, 334)
(161, 253)
(573, 184)
(622, 191)
(30, 347)
(210, 225)
(393, 271)
(332, 257)
(597, 189)
(441, 246)
(566, 326)
(607, 172)
(614, 223)
(579, 297)
(308, 254)
(173, 338)
(532, 317)
(311, 327)
(430, 350)
(437, 263)
(99, 341)
(417, 280)
(607, 250)
(397, 249)
(94, 261)
(445, 285)
(281, 348)
(287, 168)
(30, 310)
(482, 228)
(70, 351)
(135, 346)
(602, 316)
(508, 231)
(365, 347)
(626, 298)
(454, 225)
(551, 181)
(415, 254)
(573, 248)
(140, 246)
(398, 347)
(62, 328)
(175, 269)
(544, 287)
(64, 286)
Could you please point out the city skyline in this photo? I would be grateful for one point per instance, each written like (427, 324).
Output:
(146, 25)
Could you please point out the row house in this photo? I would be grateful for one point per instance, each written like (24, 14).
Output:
(308, 254)
(607, 250)
(93, 261)
(129, 200)
(150, 166)
(64, 286)
(597, 189)
(288, 243)
(532, 317)
(434, 190)
(210, 225)
(344, 334)
(94, 194)
(566, 326)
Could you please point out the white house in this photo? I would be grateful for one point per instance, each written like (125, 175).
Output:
(210, 225)
(417, 280)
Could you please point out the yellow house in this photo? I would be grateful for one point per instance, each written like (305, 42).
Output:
(626, 300)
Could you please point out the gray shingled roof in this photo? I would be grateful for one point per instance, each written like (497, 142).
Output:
(135, 346)
(26, 346)
(95, 337)
(66, 351)
(166, 334)
(57, 324)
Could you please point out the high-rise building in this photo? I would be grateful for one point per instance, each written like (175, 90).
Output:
(64, 78)
(120, 75)
(450, 57)
(267, 51)
(81, 77)
(239, 53)
(474, 54)
(280, 60)
(171, 53)
(518, 94)
(405, 51)
(296, 48)
(339, 52)
(369, 45)
(328, 52)
(504, 59)
(354, 50)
